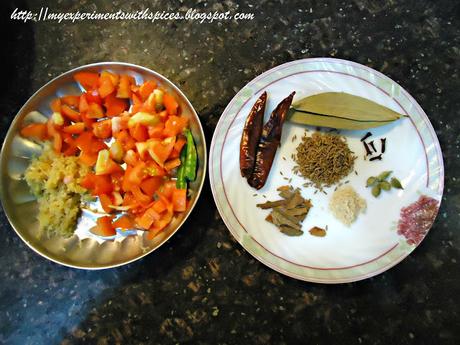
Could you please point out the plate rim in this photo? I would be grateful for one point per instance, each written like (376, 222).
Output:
(267, 260)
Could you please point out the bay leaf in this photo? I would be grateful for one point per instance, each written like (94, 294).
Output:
(342, 111)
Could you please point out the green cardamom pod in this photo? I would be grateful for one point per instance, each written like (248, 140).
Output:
(384, 175)
(385, 185)
(371, 181)
(395, 183)
(376, 190)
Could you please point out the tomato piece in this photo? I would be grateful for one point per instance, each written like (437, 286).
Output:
(146, 89)
(124, 222)
(172, 163)
(126, 140)
(179, 200)
(106, 201)
(103, 129)
(83, 104)
(159, 206)
(167, 189)
(106, 85)
(137, 174)
(116, 151)
(170, 104)
(160, 151)
(102, 184)
(148, 218)
(104, 226)
(131, 158)
(93, 97)
(139, 132)
(76, 128)
(87, 79)
(115, 106)
(57, 142)
(153, 169)
(179, 144)
(142, 198)
(151, 184)
(88, 158)
(70, 113)
(88, 181)
(86, 120)
(163, 222)
(156, 131)
(35, 130)
(71, 100)
(56, 105)
(95, 111)
(175, 125)
(84, 141)
(124, 86)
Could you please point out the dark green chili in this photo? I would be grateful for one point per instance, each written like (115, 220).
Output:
(191, 158)
(181, 182)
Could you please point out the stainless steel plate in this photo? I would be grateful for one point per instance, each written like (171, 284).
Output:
(83, 249)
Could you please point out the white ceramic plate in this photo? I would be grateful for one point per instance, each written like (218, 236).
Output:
(373, 243)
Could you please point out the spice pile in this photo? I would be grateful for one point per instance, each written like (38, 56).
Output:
(323, 158)
(289, 212)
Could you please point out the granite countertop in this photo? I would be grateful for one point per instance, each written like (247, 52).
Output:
(201, 286)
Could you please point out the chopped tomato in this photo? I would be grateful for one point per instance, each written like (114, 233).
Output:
(56, 105)
(124, 86)
(124, 222)
(102, 184)
(168, 188)
(88, 80)
(179, 200)
(88, 158)
(103, 129)
(104, 226)
(106, 202)
(146, 89)
(175, 125)
(95, 111)
(126, 140)
(131, 158)
(170, 104)
(71, 100)
(159, 206)
(93, 97)
(156, 131)
(136, 174)
(115, 106)
(140, 197)
(148, 218)
(83, 104)
(160, 151)
(70, 113)
(106, 85)
(57, 142)
(88, 181)
(76, 128)
(139, 132)
(35, 130)
(151, 184)
(172, 163)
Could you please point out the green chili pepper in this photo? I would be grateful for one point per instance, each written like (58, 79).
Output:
(181, 182)
(191, 158)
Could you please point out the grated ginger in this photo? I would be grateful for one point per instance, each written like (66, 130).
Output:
(55, 181)
(346, 205)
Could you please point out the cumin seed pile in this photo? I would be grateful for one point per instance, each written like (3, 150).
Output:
(323, 158)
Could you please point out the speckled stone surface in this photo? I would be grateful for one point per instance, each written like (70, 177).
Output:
(202, 287)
